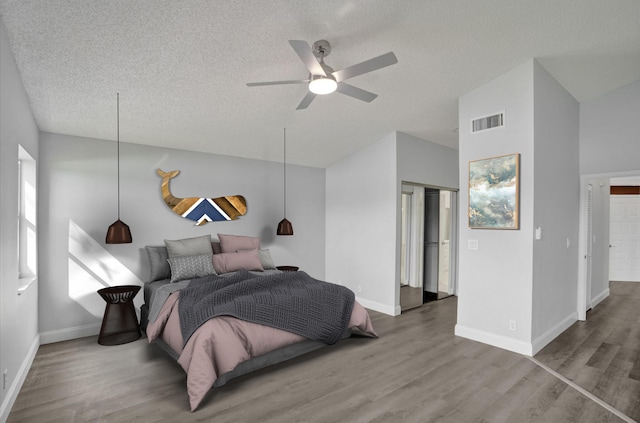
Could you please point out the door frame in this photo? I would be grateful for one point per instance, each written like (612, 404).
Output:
(584, 294)
(417, 267)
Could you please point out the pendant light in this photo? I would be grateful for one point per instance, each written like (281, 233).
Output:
(285, 227)
(118, 232)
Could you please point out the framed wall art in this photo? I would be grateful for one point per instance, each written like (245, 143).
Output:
(493, 192)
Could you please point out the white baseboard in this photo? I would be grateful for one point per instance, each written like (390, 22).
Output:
(506, 343)
(15, 387)
(601, 296)
(66, 334)
(382, 308)
(542, 341)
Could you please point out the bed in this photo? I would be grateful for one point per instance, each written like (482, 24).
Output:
(222, 309)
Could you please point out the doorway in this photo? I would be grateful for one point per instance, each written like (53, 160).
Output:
(595, 236)
(428, 245)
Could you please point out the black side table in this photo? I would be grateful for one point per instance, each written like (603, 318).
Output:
(120, 323)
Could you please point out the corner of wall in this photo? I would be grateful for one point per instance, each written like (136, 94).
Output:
(18, 381)
(506, 343)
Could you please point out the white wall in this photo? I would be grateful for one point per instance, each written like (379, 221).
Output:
(18, 313)
(424, 162)
(610, 132)
(556, 205)
(609, 146)
(78, 203)
(512, 276)
(363, 218)
(361, 215)
(495, 281)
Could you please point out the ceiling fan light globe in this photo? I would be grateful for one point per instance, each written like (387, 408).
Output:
(322, 85)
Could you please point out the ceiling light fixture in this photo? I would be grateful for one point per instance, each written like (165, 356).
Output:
(118, 232)
(285, 227)
(322, 84)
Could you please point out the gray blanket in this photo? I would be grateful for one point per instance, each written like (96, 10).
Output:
(291, 301)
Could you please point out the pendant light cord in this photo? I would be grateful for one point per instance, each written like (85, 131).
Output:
(118, 135)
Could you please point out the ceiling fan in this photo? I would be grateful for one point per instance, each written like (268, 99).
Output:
(323, 79)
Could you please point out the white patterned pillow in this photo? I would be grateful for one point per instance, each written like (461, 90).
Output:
(189, 267)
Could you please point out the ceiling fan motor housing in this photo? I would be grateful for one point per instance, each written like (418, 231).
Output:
(321, 48)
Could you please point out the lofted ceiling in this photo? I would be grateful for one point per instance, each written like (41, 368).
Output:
(181, 67)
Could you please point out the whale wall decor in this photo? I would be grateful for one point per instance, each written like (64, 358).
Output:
(202, 210)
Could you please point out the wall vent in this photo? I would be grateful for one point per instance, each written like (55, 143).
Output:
(487, 122)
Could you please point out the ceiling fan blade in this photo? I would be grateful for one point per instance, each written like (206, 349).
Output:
(293, 81)
(306, 54)
(356, 92)
(370, 65)
(306, 101)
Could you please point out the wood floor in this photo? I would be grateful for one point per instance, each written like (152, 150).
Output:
(417, 371)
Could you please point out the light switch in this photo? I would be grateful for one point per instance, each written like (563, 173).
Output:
(538, 232)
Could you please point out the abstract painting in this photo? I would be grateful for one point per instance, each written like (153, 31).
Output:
(493, 192)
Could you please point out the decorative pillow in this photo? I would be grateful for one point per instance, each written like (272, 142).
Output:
(189, 246)
(230, 262)
(189, 267)
(159, 265)
(233, 243)
(215, 246)
(266, 260)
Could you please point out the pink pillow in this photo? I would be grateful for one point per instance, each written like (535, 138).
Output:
(233, 243)
(230, 262)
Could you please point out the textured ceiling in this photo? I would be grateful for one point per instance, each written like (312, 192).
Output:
(181, 66)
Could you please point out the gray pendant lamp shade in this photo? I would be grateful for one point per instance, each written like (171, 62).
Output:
(285, 227)
(118, 232)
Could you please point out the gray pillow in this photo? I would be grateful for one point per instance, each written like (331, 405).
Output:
(159, 266)
(189, 246)
(189, 267)
(266, 260)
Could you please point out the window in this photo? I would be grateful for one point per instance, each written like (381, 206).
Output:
(27, 231)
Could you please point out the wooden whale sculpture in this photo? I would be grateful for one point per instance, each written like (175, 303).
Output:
(202, 210)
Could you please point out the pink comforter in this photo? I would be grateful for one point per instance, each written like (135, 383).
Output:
(222, 343)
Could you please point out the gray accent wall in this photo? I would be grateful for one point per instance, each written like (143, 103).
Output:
(19, 338)
(78, 202)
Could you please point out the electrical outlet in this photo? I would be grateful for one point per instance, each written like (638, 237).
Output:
(4, 379)
(359, 288)
(512, 325)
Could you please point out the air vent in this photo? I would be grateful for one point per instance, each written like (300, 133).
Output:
(488, 122)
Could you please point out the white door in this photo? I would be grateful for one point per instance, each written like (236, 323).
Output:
(624, 254)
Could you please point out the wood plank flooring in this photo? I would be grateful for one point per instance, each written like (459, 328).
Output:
(417, 371)
(602, 355)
